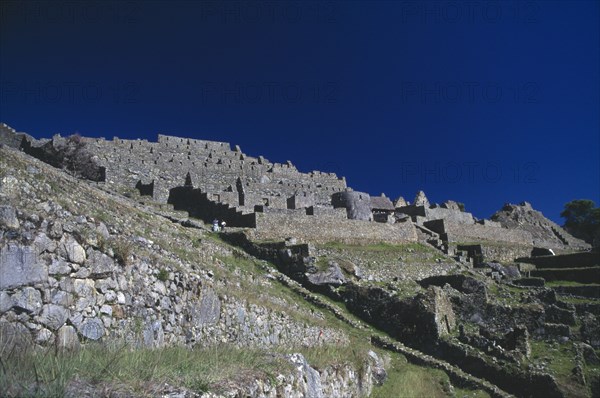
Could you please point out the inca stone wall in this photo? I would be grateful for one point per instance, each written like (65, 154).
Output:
(65, 292)
(230, 176)
(9, 136)
(62, 284)
(504, 253)
(458, 232)
(323, 230)
(210, 180)
(436, 213)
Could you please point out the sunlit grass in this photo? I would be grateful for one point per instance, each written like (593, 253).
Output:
(48, 374)
(409, 381)
(379, 247)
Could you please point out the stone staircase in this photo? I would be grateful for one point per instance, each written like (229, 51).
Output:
(432, 238)
(271, 254)
(560, 236)
(568, 272)
(575, 278)
(440, 243)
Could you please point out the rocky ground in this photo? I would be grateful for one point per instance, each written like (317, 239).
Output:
(84, 268)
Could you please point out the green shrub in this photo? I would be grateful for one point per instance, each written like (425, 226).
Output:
(122, 250)
(163, 275)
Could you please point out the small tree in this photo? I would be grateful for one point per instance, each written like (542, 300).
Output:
(72, 155)
(81, 161)
(582, 219)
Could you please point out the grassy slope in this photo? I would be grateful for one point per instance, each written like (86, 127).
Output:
(143, 372)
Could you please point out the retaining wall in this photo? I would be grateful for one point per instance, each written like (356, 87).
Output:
(586, 259)
(315, 229)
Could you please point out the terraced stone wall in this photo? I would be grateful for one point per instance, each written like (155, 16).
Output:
(323, 229)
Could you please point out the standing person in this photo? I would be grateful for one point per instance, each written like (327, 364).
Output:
(223, 224)
(215, 225)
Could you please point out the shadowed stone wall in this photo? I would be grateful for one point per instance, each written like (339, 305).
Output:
(213, 167)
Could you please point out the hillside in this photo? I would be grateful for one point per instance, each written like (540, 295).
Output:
(106, 290)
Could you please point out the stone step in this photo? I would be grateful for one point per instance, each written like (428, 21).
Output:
(533, 282)
(456, 374)
(586, 275)
(560, 236)
(587, 291)
(571, 260)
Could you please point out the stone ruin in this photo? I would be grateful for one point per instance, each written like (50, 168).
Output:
(275, 202)
(209, 180)
(519, 229)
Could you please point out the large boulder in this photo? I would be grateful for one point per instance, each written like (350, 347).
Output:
(208, 312)
(44, 244)
(508, 271)
(333, 275)
(6, 302)
(308, 378)
(69, 153)
(85, 291)
(8, 217)
(9, 187)
(72, 250)
(53, 316)
(14, 338)
(27, 300)
(92, 329)
(357, 204)
(19, 266)
(66, 339)
(378, 372)
(100, 264)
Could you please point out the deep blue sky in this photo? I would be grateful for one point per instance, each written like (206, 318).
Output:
(479, 102)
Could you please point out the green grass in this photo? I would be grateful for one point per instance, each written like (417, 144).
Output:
(320, 357)
(576, 300)
(569, 283)
(163, 275)
(122, 250)
(48, 374)
(322, 263)
(383, 261)
(560, 361)
(409, 381)
(407, 289)
(462, 393)
(380, 247)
